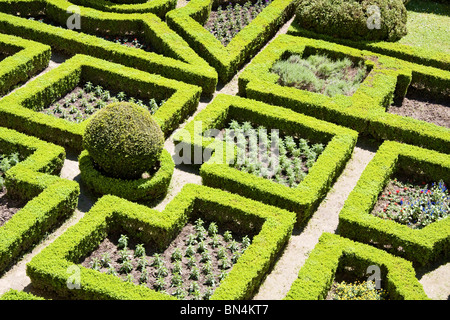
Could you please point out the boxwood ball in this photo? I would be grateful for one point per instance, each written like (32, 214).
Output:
(124, 140)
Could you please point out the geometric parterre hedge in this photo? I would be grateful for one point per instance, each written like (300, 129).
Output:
(271, 226)
(140, 189)
(365, 110)
(50, 198)
(158, 7)
(24, 59)
(421, 246)
(173, 58)
(20, 110)
(303, 199)
(333, 252)
(420, 55)
(188, 21)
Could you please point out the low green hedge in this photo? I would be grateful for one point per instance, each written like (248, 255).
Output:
(158, 7)
(365, 110)
(50, 198)
(423, 56)
(303, 199)
(25, 58)
(134, 190)
(19, 295)
(49, 269)
(188, 22)
(333, 252)
(420, 246)
(174, 60)
(19, 110)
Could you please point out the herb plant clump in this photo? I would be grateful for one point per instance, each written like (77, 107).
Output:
(6, 163)
(285, 160)
(124, 141)
(320, 74)
(414, 205)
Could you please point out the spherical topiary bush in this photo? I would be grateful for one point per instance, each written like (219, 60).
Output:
(354, 19)
(123, 140)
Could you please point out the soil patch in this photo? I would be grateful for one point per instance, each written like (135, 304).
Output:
(8, 206)
(175, 277)
(424, 105)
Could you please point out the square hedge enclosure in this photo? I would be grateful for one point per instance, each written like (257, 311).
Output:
(271, 228)
(20, 110)
(420, 246)
(217, 171)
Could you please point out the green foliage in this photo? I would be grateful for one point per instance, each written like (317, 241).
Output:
(271, 228)
(124, 140)
(123, 241)
(188, 21)
(35, 180)
(351, 19)
(318, 273)
(319, 73)
(365, 290)
(365, 110)
(421, 246)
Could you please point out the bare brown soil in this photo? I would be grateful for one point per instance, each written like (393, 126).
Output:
(8, 206)
(424, 105)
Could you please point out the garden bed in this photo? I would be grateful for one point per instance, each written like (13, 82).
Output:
(8, 207)
(283, 159)
(422, 104)
(225, 22)
(320, 73)
(128, 39)
(195, 262)
(83, 101)
(413, 202)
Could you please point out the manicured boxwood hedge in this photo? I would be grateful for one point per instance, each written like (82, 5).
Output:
(158, 7)
(50, 198)
(19, 295)
(134, 190)
(365, 110)
(17, 109)
(420, 246)
(188, 21)
(333, 252)
(413, 54)
(303, 199)
(48, 269)
(174, 60)
(25, 58)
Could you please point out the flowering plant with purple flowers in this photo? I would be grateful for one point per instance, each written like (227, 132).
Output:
(415, 205)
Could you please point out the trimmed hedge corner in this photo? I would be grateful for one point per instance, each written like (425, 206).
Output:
(332, 252)
(48, 269)
(19, 110)
(50, 198)
(188, 22)
(25, 58)
(420, 246)
(174, 58)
